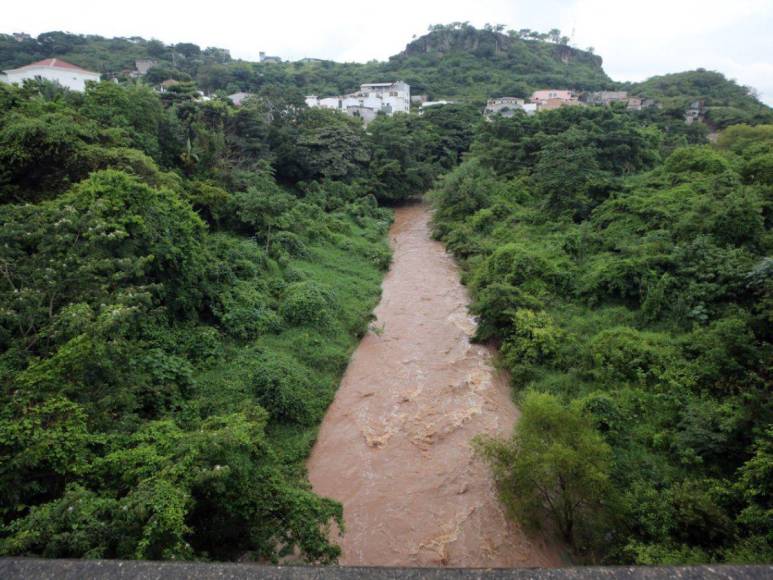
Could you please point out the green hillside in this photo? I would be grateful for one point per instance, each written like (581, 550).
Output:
(462, 61)
(451, 61)
(455, 61)
(727, 102)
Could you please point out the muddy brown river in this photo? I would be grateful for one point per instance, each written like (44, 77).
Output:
(394, 447)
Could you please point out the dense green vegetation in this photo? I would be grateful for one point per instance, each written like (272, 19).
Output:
(628, 284)
(455, 61)
(182, 281)
(173, 323)
(726, 102)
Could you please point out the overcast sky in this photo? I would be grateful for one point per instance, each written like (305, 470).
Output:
(637, 39)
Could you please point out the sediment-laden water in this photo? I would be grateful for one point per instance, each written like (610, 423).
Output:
(394, 447)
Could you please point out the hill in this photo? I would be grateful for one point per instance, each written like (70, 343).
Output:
(457, 61)
(464, 62)
(727, 102)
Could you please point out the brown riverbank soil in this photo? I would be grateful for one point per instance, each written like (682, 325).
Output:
(394, 447)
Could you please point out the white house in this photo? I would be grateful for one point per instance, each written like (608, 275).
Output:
(396, 95)
(387, 98)
(238, 98)
(507, 106)
(428, 104)
(53, 69)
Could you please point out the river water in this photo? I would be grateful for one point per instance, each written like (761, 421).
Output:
(394, 447)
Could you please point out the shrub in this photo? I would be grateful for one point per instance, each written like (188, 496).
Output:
(518, 264)
(696, 160)
(555, 468)
(307, 303)
(244, 312)
(533, 340)
(281, 387)
(623, 354)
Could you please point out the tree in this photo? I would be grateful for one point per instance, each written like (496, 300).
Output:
(42, 155)
(565, 175)
(188, 49)
(317, 143)
(554, 469)
(156, 48)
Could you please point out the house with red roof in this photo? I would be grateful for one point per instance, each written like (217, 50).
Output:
(53, 69)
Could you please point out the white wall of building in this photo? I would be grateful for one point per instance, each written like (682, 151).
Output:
(74, 80)
(388, 98)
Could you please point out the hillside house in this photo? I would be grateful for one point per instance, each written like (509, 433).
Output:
(556, 103)
(553, 95)
(144, 65)
(55, 70)
(371, 99)
(604, 97)
(167, 84)
(695, 112)
(634, 104)
(505, 106)
(265, 58)
(238, 98)
(367, 114)
(429, 104)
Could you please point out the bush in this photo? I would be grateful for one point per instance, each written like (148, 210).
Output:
(623, 354)
(696, 160)
(281, 387)
(307, 303)
(533, 340)
(555, 469)
(516, 264)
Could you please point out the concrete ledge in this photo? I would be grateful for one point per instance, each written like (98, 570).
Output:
(28, 568)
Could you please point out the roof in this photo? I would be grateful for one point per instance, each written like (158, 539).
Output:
(238, 98)
(55, 63)
(379, 84)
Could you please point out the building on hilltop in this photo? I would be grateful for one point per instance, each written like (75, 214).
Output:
(551, 99)
(556, 103)
(369, 101)
(429, 104)
(507, 106)
(603, 97)
(238, 98)
(635, 104)
(606, 98)
(554, 96)
(144, 65)
(696, 111)
(167, 84)
(55, 70)
(265, 58)
(397, 95)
